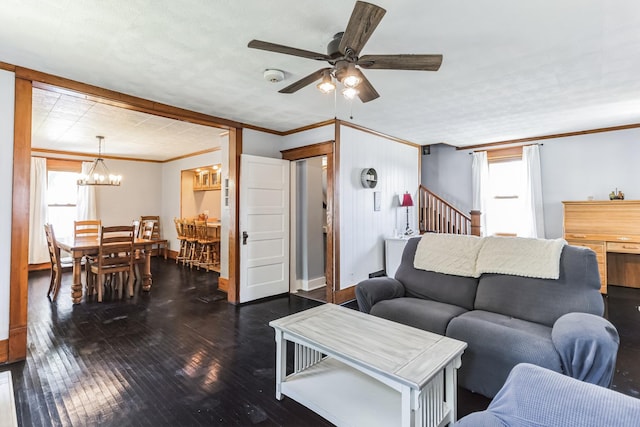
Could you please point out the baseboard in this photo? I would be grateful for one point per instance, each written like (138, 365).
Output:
(4, 351)
(172, 254)
(309, 285)
(39, 267)
(17, 344)
(345, 295)
(223, 284)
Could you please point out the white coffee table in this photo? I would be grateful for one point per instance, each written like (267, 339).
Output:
(355, 369)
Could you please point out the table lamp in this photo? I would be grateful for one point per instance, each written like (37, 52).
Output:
(407, 201)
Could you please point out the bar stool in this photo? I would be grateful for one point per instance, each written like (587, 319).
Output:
(192, 242)
(207, 246)
(183, 249)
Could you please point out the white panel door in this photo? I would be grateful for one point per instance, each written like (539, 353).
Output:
(264, 227)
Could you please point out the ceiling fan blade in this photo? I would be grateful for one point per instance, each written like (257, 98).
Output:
(272, 47)
(366, 91)
(401, 62)
(305, 81)
(364, 20)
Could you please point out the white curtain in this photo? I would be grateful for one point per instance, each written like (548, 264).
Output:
(38, 251)
(533, 224)
(86, 204)
(480, 186)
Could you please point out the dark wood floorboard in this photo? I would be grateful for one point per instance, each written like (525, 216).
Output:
(182, 356)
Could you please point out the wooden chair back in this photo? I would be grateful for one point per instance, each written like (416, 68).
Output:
(86, 228)
(115, 254)
(156, 225)
(179, 228)
(56, 265)
(147, 230)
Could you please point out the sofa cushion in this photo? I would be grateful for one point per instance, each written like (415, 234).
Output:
(496, 343)
(545, 300)
(420, 313)
(445, 288)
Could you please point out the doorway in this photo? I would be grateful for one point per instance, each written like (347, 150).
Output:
(309, 228)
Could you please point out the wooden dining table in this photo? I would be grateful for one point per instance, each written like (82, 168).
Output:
(78, 247)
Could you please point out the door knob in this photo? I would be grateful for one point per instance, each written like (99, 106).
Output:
(245, 236)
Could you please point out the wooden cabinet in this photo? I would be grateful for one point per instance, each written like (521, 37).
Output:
(206, 179)
(612, 230)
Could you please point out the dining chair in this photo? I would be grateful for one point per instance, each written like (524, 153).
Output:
(86, 228)
(57, 263)
(143, 231)
(155, 235)
(115, 255)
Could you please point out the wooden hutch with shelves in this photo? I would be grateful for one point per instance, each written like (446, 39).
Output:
(206, 179)
(611, 229)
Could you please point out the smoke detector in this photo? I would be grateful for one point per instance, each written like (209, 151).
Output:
(273, 76)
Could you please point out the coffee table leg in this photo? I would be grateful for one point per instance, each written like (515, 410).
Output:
(407, 418)
(281, 363)
(451, 385)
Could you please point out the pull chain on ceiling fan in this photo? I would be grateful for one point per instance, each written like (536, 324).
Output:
(342, 55)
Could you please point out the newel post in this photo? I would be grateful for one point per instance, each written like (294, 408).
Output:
(475, 223)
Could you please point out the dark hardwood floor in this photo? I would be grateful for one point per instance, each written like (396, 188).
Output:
(181, 356)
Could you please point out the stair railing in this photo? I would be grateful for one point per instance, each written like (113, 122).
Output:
(438, 216)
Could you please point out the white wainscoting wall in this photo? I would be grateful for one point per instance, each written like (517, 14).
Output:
(363, 230)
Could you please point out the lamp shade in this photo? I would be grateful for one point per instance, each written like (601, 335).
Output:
(406, 200)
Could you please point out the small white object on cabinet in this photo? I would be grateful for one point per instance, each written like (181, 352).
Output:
(393, 248)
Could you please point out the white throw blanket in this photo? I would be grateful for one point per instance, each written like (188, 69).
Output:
(448, 253)
(471, 256)
(520, 257)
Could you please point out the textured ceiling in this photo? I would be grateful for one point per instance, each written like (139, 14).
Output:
(511, 69)
(68, 123)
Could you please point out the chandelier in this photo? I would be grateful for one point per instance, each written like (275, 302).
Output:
(99, 173)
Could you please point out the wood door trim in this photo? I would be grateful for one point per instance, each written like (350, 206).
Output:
(235, 151)
(18, 286)
(335, 220)
(4, 351)
(313, 150)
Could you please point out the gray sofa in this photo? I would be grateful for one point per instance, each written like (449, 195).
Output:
(504, 319)
(534, 396)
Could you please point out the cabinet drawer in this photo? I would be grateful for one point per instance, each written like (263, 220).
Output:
(625, 248)
(597, 247)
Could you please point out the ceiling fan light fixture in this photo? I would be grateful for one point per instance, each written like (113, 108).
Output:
(326, 85)
(349, 92)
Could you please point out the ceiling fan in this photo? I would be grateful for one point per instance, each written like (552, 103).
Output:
(342, 54)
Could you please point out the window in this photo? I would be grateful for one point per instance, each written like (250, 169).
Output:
(62, 194)
(505, 211)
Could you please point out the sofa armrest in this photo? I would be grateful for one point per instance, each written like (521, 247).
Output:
(370, 291)
(535, 396)
(588, 346)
